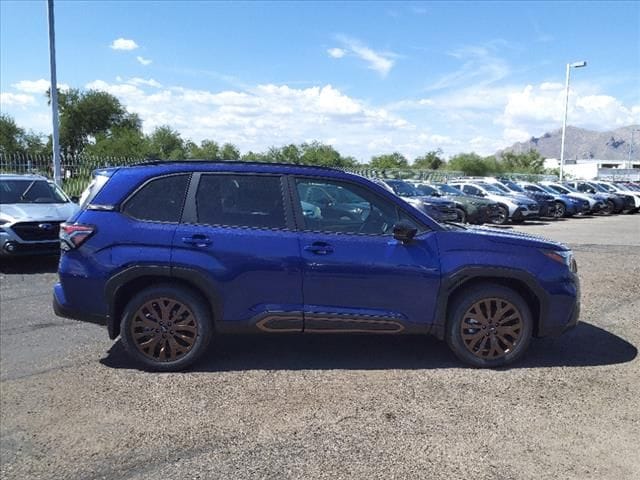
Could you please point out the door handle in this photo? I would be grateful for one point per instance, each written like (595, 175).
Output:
(319, 248)
(197, 240)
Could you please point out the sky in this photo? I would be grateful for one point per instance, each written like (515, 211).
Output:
(365, 77)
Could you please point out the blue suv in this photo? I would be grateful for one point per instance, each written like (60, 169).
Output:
(169, 254)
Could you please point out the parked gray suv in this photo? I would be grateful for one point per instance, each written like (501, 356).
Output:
(31, 211)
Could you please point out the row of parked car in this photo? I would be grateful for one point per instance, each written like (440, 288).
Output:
(479, 200)
(32, 207)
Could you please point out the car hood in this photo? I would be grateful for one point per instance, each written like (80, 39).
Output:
(515, 238)
(438, 201)
(27, 212)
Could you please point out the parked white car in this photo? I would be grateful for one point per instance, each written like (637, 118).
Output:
(31, 211)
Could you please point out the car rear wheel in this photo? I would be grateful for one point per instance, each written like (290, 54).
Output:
(166, 328)
(559, 210)
(489, 326)
(461, 215)
(502, 216)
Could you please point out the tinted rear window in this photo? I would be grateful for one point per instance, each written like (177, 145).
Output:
(159, 200)
(240, 201)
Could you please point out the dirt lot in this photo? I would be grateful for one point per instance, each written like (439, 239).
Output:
(72, 406)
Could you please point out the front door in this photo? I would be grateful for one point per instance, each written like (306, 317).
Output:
(356, 276)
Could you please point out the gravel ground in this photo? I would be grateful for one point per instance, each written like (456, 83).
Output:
(72, 406)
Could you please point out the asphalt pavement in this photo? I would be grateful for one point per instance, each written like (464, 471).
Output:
(74, 407)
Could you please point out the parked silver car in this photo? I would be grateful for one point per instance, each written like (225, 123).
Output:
(31, 211)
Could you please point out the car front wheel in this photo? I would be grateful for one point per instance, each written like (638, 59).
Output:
(489, 326)
(166, 327)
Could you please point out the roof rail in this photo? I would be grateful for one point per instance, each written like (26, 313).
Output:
(229, 162)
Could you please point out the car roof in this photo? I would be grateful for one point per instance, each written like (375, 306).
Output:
(19, 176)
(231, 165)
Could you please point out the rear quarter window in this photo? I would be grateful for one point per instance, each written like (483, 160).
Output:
(159, 200)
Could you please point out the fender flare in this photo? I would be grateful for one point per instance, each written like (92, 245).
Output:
(194, 277)
(458, 278)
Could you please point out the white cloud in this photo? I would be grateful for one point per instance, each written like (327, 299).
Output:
(381, 62)
(480, 118)
(123, 44)
(144, 61)
(37, 86)
(142, 81)
(16, 99)
(480, 67)
(336, 52)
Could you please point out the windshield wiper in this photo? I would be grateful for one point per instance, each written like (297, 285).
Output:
(24, 194)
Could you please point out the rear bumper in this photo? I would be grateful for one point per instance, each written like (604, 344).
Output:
(62, 309)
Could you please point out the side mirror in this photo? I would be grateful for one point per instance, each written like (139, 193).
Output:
(404, 231)
(75, 199)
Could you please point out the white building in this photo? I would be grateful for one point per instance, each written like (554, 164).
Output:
(593, 168)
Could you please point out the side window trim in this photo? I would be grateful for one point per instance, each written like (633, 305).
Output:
(299, 217)
(121, 207)
(190, 215)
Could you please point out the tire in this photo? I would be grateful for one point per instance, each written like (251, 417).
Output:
(462, 215)
(503, 216)
(559, 210)
(609, 207)
(477, 338)
(172, 344)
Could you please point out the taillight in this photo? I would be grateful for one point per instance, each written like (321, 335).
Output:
(72, 235)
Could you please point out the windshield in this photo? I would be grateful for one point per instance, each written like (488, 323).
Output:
(448, 189)
(514, 186)
(607, 187)
(598, 188)
(570, 189)
(543, 188)
(30, 191)
(501, 187)
(427, 190)
(555, 189)
(403, 189)
(490, 188)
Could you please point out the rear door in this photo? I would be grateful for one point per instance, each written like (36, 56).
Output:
(356, 276)
(237, 230)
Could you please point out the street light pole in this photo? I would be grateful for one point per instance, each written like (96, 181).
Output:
(566, 107)
(57, 171)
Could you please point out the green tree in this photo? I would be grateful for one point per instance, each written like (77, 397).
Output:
(10, 136)
(120, 142)
(469, 163)
(316, 153)
(429, 161)
(529, 162)
(86, 115)
(14, 139)
(166, 144)
(254, 157)
(389, 161)
(208, 150)
(229, 152)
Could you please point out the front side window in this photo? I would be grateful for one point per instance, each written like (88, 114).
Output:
(253, 201)
(159, 200)
(342, 207)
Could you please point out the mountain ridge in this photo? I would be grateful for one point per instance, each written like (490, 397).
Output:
(581, 143)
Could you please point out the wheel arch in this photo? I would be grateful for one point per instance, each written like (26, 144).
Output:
(521, 282)
(121, 288)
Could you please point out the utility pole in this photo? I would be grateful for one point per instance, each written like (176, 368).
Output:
(566, 108)
(57, 171)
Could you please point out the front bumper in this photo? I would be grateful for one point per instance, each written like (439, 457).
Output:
(560, 310)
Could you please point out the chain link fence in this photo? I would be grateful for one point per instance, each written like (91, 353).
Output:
(76, 170)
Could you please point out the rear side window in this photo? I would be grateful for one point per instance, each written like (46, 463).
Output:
(240, 201)
(159, 200)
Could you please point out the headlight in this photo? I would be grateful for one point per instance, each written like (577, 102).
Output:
(563, 256)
